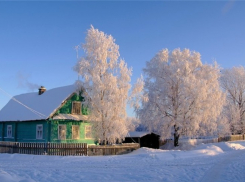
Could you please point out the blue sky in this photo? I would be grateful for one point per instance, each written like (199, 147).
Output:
(37, 39)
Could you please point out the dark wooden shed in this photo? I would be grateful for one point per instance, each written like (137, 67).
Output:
(145, 139)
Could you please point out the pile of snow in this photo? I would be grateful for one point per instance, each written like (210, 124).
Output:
(6, 177)
(187, 144)
(181, 151)
(182, 146)
(224, 146)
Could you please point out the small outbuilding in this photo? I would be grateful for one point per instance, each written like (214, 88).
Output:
(144, 138)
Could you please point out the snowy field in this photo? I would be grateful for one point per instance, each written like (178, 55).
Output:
(205, 163)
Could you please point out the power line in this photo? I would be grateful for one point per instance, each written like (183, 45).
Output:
(32, 110)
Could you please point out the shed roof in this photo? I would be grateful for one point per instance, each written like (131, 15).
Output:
(138, 133)
(45, 104)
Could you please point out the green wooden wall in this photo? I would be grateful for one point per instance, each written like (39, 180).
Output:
(26, 131)
(54, 132)
(23, 131)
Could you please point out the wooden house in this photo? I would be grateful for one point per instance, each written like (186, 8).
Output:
(56, 115)
(144, 138)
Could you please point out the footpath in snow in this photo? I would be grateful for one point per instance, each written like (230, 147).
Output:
(206, 162)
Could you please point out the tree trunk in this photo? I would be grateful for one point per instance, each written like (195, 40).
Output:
(176, 136)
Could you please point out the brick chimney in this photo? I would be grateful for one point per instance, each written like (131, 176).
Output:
(42, 89)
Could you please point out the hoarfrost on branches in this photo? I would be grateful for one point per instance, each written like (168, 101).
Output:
(181, 91)
(106, 82)
(133, 123)
(233, 82)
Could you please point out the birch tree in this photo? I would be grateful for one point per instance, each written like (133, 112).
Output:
(233, 82)
(106, 79)
(182, 93)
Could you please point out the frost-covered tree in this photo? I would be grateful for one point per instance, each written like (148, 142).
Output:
(132, 123)
(106, 82)
(180, 91)
(233, 82)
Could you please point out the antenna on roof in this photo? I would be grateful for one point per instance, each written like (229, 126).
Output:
(14, 99)
(77, 48)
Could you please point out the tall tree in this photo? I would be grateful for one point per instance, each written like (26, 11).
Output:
(183, 95)
(233, 82)
(106, 82)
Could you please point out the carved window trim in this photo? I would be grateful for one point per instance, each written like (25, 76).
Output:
(9, 131)
(88, 132)
(62, 132)
(39, 131)
(75, 132)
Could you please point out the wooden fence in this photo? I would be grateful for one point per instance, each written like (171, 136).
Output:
(116, 149)
(65, 149)
(231, 138)
(62, 149)
(205, 141)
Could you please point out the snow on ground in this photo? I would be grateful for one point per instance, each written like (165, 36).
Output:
(187, 144)
(206, 162)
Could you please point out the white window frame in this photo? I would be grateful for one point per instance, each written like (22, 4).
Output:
(59, 131)
(80, 107)
(88, 126)
(73, 126)
(39, 133)
(9, 131)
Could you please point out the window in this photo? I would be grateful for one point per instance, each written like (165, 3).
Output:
(39, 131)
(75, 132)
(9, 131)
(62, 132)
(88, 133)
(76, 107)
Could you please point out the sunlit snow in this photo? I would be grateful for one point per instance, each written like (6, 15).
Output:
(206, 162)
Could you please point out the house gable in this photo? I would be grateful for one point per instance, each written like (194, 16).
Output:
(66, 108)
(63, 117)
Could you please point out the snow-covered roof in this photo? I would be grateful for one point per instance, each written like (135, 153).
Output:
(138, 133)
(71, 117)
(43, 105)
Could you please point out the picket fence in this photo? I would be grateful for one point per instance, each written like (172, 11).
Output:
(61, 149)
